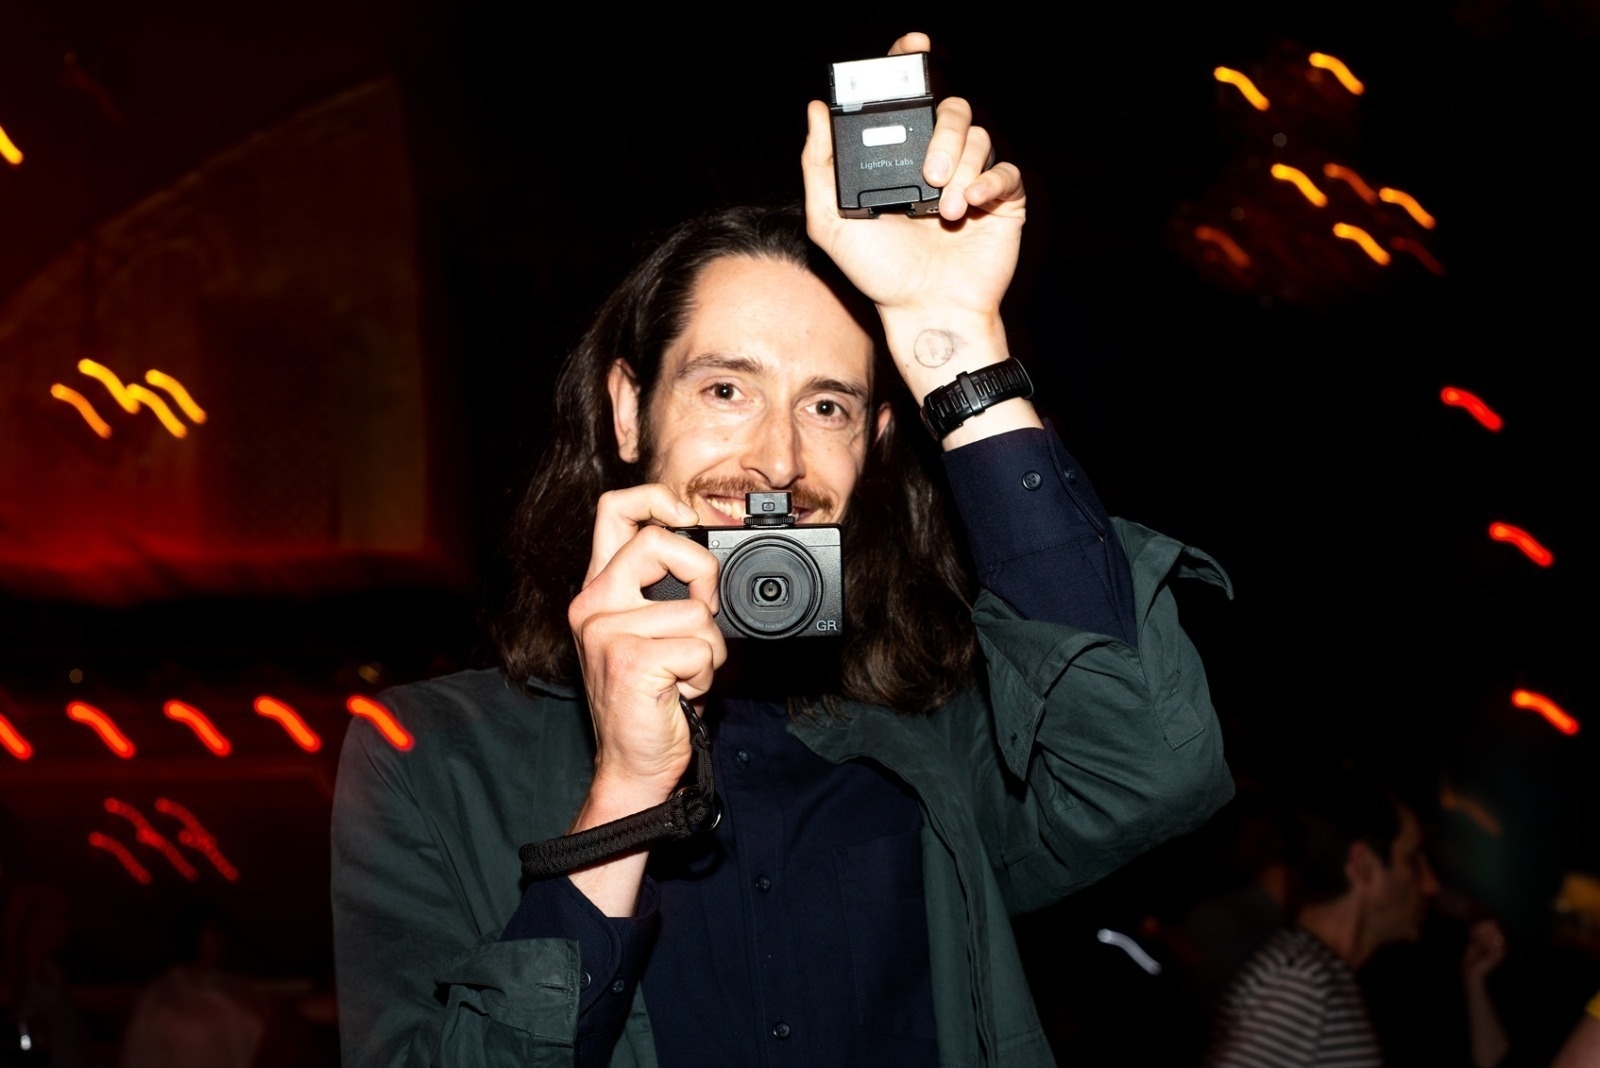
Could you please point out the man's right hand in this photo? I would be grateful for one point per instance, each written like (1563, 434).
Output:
(637, 657)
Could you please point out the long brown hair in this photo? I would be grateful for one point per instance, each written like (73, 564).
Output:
(909, 642)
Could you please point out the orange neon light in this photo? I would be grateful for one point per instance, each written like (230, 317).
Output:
(1228, 245)
(1552, 712)
(290, 720)
(1408, 202)
(120, 851)
(196, 837)
(1245, 86)
(159, 407)
(151, 837)
(106, 377)
(1308, 189)
(1352, 179)
(162, 380)
(1451, 801)
(1480, 411)
(1379, 254)
(101, 724)
(383, 719)
(203, 728)
(85, 409)
(1523, 540)
(12, 739)
(9, 150)
(1423, 256)
(1336, 67)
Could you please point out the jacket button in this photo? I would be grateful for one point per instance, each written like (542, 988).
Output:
(1032, 480)
(619, 986)
(742, 755)
(780, 1030)
(1072, 476)
(584, 981)
(763, 883)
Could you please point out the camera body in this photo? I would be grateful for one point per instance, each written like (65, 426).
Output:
(775, 579)
(883, 116)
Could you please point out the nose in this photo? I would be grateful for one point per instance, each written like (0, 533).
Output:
(773, 451)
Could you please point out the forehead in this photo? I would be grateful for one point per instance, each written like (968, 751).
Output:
(778, 315)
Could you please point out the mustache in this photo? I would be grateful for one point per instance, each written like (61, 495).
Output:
(801, 496)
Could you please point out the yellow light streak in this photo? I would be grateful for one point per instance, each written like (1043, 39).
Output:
(1408, 202)
(1336, 67)
(158, 406)
(1243, 84)
(1228, 245)
(1379, 254)
(106, 377)
(161, 380)
(9, 150)
(1352, 179)
(85, 409)
(1285, 173)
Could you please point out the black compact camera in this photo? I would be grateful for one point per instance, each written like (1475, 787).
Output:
(777, 580)
(882, 113)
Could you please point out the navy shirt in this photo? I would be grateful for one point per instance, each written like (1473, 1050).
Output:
(796, 933)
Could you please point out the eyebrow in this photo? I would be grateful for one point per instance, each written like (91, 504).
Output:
(717, 361)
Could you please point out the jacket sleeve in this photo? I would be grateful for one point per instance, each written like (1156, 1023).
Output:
(1119, 746)
(419, 982)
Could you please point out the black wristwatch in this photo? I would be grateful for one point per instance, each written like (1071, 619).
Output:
(949, 406)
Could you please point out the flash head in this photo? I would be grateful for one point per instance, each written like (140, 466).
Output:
(882, 117)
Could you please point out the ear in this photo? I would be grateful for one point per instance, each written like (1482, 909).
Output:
(624, 390)
(885, 417)
(1362, 866)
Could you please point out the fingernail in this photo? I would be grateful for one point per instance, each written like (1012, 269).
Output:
(938, 168)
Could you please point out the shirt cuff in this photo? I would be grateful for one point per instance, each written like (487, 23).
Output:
(612, 948)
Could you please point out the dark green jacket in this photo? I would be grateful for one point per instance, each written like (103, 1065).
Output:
(1119, 749)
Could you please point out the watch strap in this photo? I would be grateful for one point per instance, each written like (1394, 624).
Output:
(952, 404)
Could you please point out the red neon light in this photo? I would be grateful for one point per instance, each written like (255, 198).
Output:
(196, 837)
(101, 723)
(1352, 179)
(85, 409)
(290, 720)
(203, 728)
(383, 719)
(1422, 255)
(12, 739)
(120, 851)
(151, 837)
(1547, 708)
(1480, 411)
(1524, 541)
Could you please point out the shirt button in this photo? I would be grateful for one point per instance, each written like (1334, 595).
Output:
(763, 883)
(742, 755)
(780, 1030)
(584, 981)
(619, 986)
(1032, 480)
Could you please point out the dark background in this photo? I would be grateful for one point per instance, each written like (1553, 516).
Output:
(1287, 421)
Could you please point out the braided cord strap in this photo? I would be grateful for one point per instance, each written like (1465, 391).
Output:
(691, 810)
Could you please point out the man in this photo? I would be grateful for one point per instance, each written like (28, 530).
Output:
(887, 802)
(1366, 883)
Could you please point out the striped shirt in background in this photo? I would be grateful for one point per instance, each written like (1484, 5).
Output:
(1294, 1003)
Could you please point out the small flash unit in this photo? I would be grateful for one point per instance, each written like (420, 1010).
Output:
(882, 112)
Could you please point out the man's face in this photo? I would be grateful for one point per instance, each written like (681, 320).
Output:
(1403, 889)
(768, 388)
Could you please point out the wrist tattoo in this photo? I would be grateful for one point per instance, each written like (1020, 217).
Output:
(933, 348)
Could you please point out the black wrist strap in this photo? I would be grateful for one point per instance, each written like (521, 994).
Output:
(692, 809)
(952, 404)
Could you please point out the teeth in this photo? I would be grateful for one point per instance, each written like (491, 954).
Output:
(728, 508)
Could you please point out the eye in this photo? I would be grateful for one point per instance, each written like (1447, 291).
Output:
(723, 391)
(831, 411)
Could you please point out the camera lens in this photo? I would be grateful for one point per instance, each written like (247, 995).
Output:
(770, 588)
